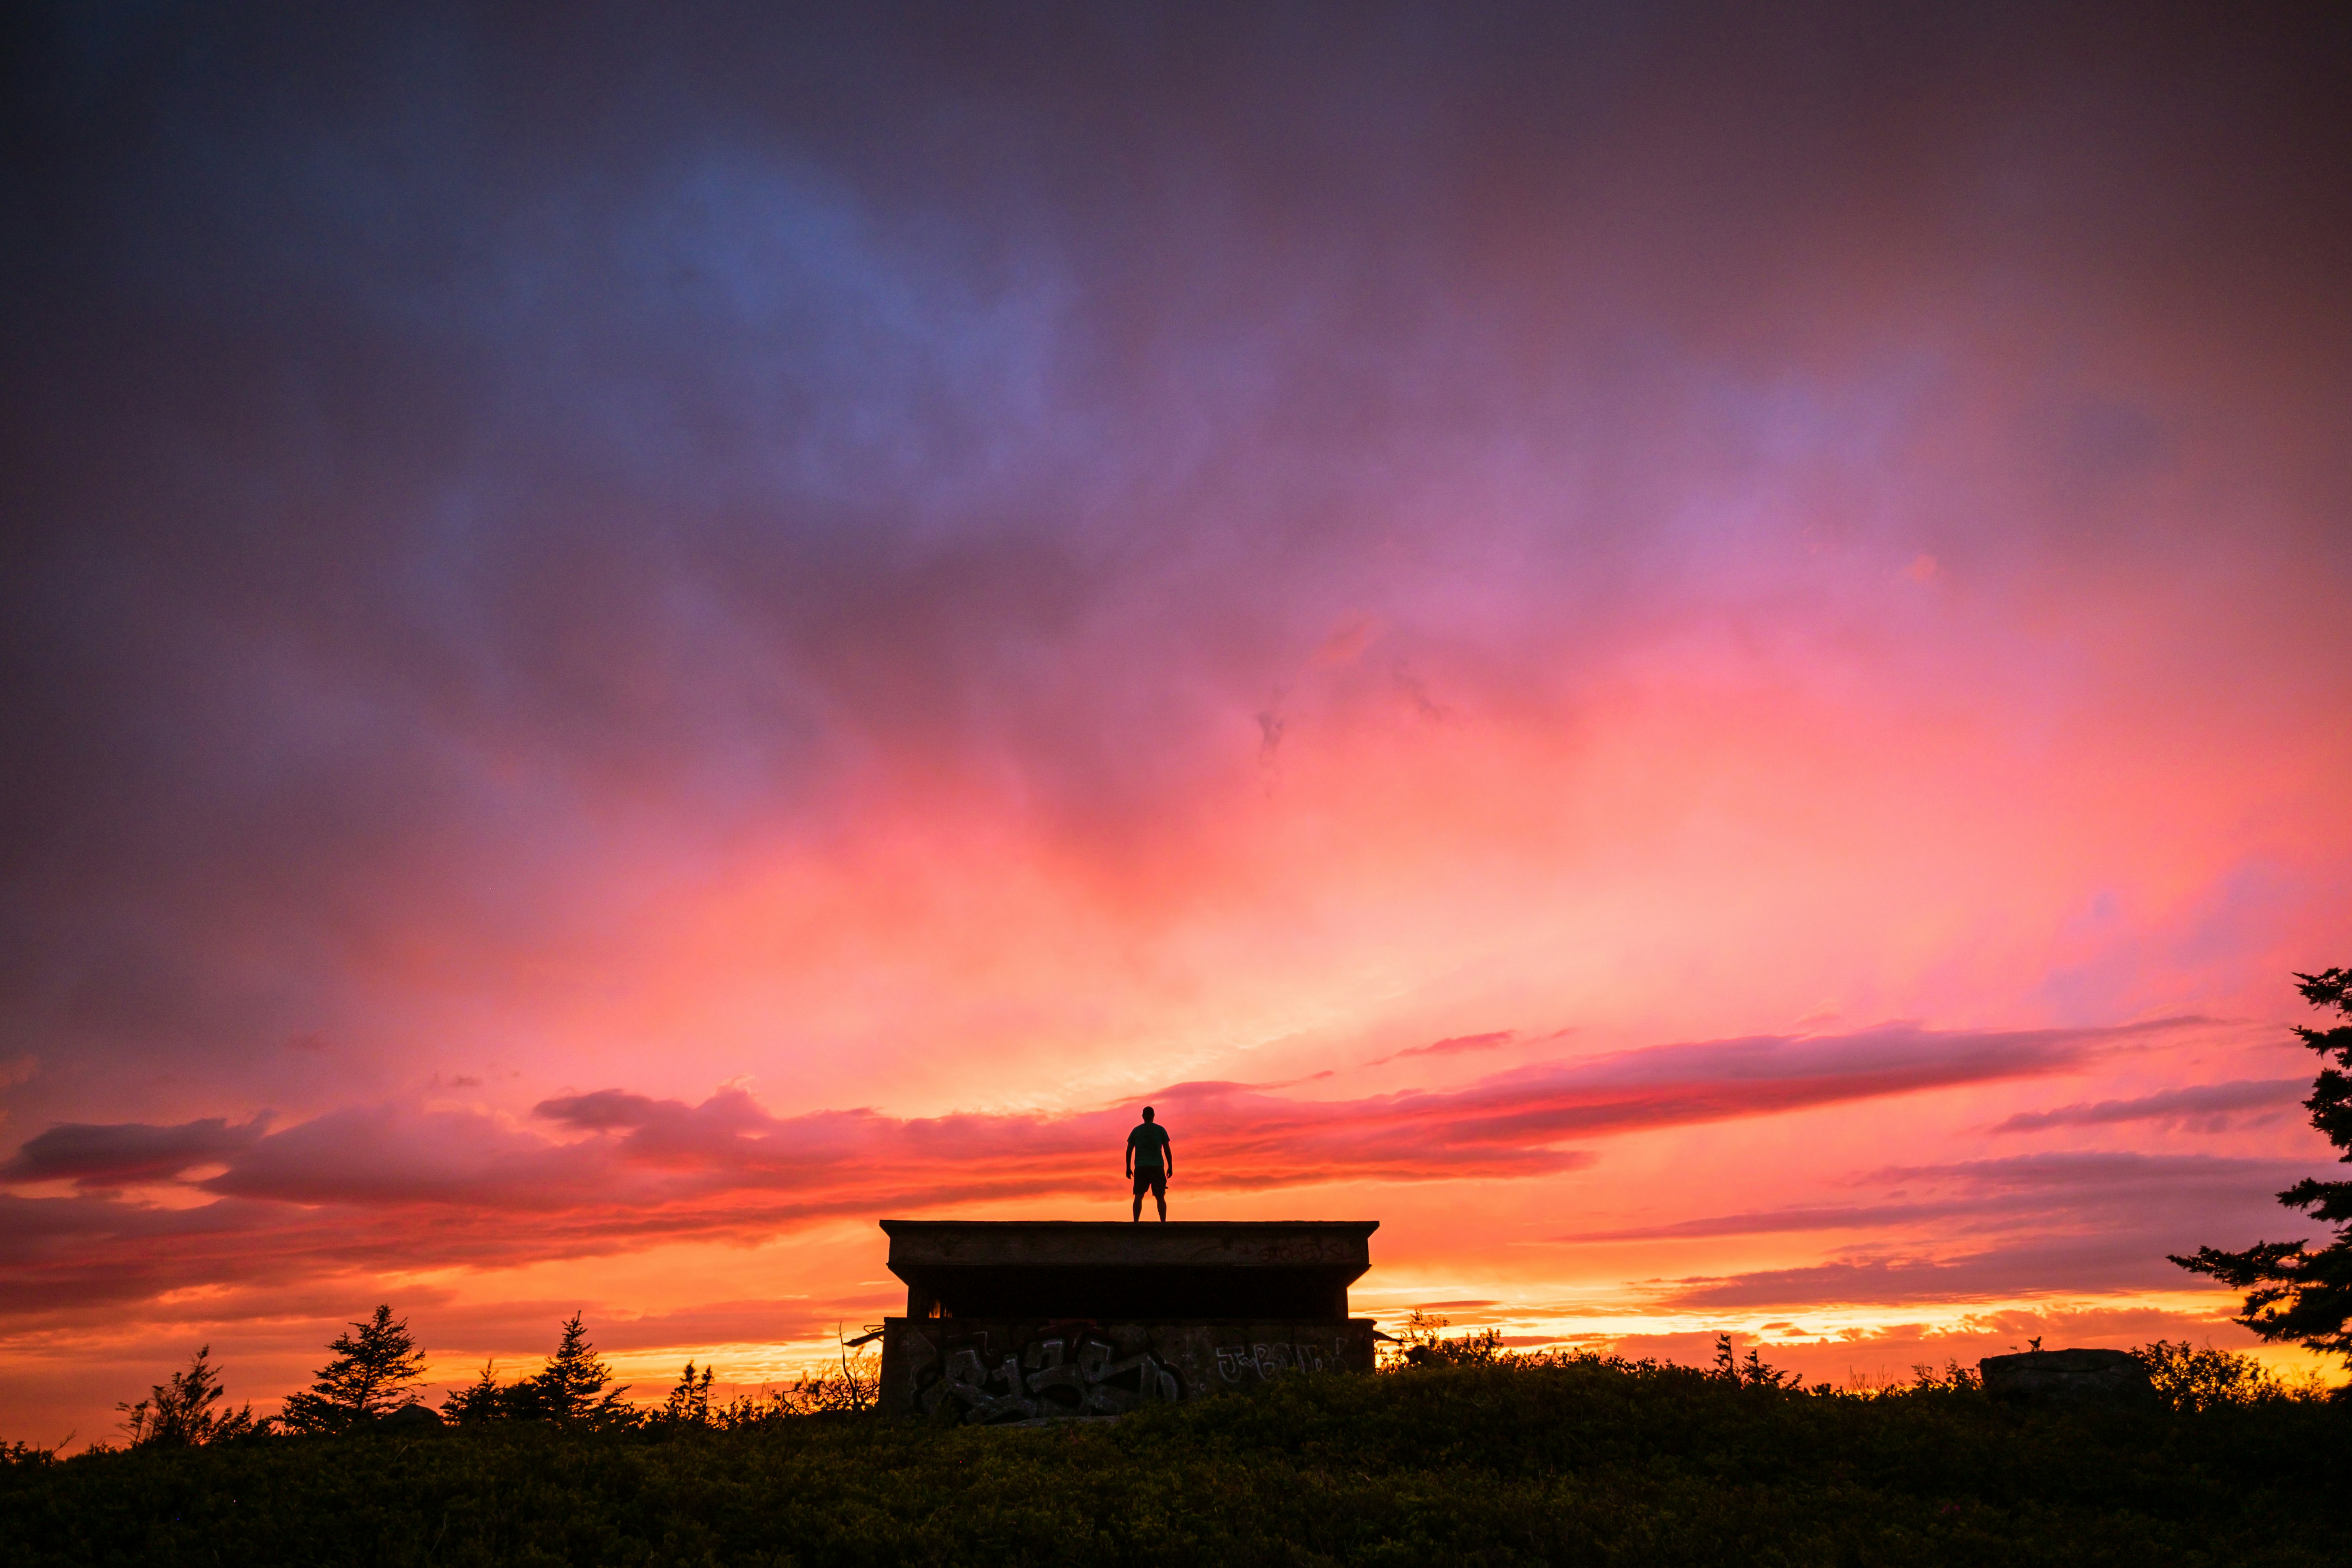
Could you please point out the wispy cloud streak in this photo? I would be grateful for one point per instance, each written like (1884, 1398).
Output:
(2203, 1107)
(395, 1185)
(2060, 1223)
(1451, 1045)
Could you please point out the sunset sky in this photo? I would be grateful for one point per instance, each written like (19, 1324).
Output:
(1697, 655)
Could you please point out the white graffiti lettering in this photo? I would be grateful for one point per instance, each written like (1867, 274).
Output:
(1044, 1379)
(1270, 1361)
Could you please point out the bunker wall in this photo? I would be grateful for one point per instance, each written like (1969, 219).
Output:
(988, 1372)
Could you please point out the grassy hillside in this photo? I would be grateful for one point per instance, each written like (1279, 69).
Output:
(1590, 1463)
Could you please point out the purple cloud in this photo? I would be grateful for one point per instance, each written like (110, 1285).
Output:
(2033, 1223)
(2201, 1107)
(123, 1153)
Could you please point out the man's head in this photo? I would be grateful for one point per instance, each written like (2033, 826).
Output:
(1147, 1113)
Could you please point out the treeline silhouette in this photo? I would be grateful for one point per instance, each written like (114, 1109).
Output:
(378, 1371)
(1485, 1456)
(2188, 1378)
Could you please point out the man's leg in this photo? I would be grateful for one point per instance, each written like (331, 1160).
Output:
(1159, 1196)
(1138, 1215)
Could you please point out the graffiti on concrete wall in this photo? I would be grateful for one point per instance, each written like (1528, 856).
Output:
(990, 1372)
(1057, 1374)
(1271, 1360)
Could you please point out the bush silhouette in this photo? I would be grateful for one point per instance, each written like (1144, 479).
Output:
(572, 1388)
(178, 1413)
(2193, 1377)
(689, 1403)
(480, 1400)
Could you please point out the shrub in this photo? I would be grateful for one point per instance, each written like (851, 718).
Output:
(2198, 1377)
(689, 1403)
(572, 1388)
(1424, 1344)
(178, 1413)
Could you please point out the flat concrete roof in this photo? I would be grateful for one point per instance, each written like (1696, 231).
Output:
(923, 1245)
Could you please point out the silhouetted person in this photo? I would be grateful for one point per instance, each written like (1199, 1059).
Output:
(1151, 1159)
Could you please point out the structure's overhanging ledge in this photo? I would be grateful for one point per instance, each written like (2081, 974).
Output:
(1115, 1244)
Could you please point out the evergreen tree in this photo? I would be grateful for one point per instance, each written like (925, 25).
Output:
(480, 1400)
(374, 1370)
(179, 1414)
(2293, 1293)
(689, 1403)
(571, 1387)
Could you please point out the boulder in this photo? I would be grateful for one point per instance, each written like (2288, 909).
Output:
(2113, 1378)
(409, 1418)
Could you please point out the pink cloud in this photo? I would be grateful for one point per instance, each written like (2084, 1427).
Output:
(1454, 1045)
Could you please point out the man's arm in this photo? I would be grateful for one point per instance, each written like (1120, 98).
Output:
(1167, 1154)
(1130, 1156)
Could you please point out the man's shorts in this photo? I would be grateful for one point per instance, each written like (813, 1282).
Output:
(1151, 1179)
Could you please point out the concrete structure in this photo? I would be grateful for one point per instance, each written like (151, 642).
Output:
(1013, 1320)
(2069, 1377)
